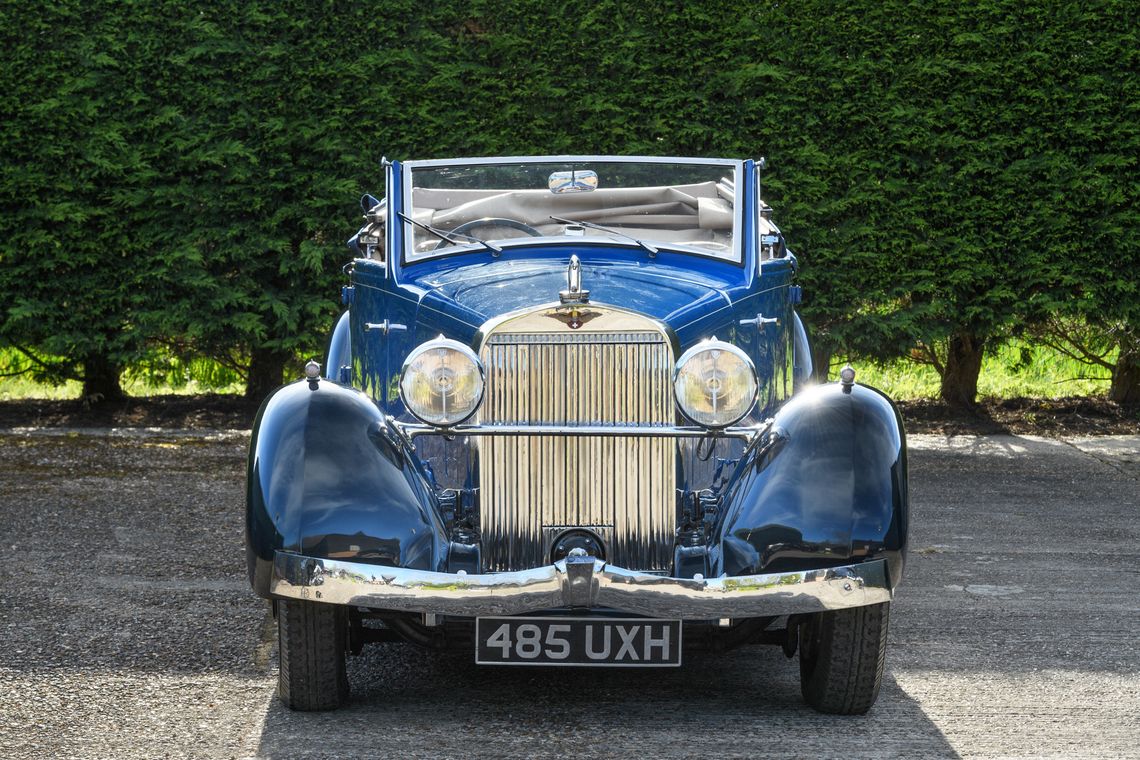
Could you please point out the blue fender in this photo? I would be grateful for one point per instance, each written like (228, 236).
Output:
(828, 486)
(327, 479)
(338, 355)
(801, 350)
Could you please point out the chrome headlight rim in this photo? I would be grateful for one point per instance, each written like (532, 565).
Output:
(712, 344)
(463, 350)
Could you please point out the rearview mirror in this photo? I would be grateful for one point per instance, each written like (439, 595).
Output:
(573, 181)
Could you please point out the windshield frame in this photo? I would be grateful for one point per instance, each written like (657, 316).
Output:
(736, 166)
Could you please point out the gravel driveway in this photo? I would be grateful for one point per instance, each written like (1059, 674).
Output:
(127, 628)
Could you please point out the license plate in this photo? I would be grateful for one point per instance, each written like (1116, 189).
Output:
(598, 642)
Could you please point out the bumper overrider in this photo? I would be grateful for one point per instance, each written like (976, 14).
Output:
(578, 582)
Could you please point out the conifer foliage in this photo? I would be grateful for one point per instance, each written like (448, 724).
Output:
(178, 180)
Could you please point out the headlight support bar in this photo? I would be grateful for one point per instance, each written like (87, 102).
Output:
(411, 431)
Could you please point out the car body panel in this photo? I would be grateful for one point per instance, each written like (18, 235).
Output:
(831, 490)
(325, 479)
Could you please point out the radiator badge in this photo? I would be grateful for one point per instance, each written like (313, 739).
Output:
(573, 316)
(574, 292)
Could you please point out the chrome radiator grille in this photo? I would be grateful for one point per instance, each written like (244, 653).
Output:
(530, 486)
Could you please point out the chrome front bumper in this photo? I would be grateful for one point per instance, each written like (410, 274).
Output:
(578, 582)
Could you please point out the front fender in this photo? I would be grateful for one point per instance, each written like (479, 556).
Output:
(338, 356)
(326, 480)
(829, 487)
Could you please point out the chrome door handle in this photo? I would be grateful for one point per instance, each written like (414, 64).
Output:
(760, 320)
(384, 327)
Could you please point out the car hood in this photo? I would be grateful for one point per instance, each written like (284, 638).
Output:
(672, 294)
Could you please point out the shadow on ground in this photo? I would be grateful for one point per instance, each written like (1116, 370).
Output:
(408, 702)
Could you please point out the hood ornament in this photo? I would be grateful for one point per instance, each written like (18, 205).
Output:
(574, 292)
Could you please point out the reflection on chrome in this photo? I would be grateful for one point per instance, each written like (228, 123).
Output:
(412, 430)
(581, 582)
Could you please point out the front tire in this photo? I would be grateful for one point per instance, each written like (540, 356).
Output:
(841, 658)
(311, 641)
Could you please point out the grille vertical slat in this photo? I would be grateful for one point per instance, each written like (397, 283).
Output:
(624, 485)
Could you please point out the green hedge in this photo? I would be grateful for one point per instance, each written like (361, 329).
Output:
(179, 179)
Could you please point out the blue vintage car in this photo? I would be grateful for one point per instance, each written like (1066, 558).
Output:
(566, 420)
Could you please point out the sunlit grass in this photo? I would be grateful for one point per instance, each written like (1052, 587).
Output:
(141, 388)
(899, 379)
(1014, 370)
(12, 389)
(139, 384)
(21, 387)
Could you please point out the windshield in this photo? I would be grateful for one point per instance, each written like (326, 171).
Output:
(678, 205)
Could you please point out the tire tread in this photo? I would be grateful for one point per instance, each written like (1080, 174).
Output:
(844, 670)
(311, 647)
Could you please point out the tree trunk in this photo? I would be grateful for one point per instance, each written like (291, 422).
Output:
(1125, 388)
(960, 373)
(820, 362)
(266, 372)
(101, 379)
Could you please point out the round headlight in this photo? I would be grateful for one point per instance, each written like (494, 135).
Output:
(715, 384)
(442, 382)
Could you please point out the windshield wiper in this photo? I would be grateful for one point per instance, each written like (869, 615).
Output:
(450, 237)
(649, 248)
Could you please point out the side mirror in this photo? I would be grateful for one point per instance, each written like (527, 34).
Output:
(370, 238)
(368, 202)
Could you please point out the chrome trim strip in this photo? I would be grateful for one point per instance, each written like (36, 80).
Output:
(555, 586)
(550, 339)
(428, 163)
(414, 430)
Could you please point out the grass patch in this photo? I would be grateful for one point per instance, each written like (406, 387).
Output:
(16, 388)
(166, 377)
(1015, 370)
(21, 387)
